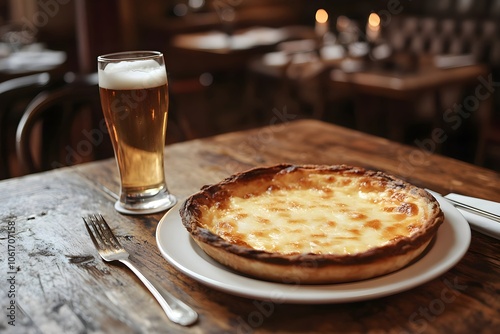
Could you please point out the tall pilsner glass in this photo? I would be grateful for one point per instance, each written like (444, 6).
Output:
(134, 98)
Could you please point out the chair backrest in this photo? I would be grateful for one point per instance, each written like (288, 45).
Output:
(63, 127)
(15, 94)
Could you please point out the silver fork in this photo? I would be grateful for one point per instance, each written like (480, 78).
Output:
(110, 249)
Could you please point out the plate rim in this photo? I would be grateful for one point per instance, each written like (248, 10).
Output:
(253, 288)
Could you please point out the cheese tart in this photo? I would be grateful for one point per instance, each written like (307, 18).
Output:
(312, 224)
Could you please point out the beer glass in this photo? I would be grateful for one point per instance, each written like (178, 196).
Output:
(134, 96)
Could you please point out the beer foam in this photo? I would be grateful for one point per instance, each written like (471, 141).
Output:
(132, 75)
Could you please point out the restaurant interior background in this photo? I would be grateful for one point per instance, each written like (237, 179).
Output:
(236, 64)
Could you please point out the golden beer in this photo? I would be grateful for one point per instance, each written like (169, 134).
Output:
(134, 99)
(137, 130)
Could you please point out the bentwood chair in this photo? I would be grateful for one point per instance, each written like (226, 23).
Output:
(15, 94)
(63, 127)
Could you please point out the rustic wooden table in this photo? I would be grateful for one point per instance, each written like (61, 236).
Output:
(53, 280)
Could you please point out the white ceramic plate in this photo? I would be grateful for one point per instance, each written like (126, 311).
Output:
(449, 246)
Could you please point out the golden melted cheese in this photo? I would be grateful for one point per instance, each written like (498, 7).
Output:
(321, 214)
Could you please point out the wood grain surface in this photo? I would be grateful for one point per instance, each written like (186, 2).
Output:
(59, 284)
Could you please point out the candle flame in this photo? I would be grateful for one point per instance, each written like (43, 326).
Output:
(321, 16)
(374, 20)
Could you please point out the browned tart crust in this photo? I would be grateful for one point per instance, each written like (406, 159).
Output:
(312, 224)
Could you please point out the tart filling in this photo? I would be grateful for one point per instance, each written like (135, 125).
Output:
(312, 224)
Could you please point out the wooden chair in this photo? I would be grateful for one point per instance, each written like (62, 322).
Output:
(15, 94)
(63, 127)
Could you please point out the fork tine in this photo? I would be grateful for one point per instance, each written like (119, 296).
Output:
(91, 229)
(104, 231)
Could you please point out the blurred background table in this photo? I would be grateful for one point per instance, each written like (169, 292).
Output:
(31, 60)
(388, 92)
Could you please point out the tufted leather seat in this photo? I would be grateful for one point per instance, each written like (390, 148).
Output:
(446, 36)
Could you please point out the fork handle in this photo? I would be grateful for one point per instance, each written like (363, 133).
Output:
(176, 310)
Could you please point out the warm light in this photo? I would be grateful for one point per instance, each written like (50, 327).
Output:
(321, 26)
(321, 16)
(374, 20)
(373, 28)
